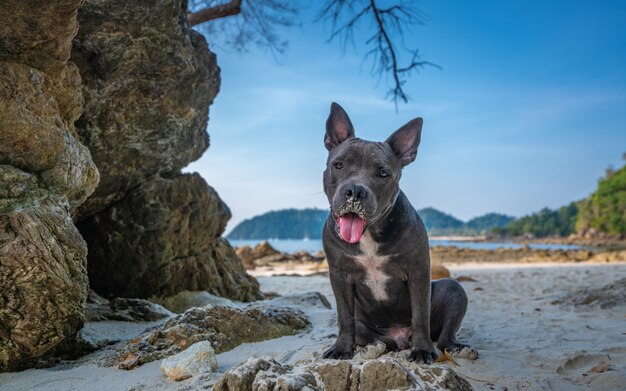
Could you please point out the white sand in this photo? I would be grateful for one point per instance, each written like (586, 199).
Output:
(524, 342)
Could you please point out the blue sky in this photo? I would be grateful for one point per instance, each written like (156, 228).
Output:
(528, 109)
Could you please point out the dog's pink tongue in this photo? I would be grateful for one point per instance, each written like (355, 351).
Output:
(351, 227)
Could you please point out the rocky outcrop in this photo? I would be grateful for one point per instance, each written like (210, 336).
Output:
(262, 250)
(45, 172)
(263, 254)
(163, 239)
(184, 300)
(385, 373)
(267, 260)
(225, 327)
(148, 81)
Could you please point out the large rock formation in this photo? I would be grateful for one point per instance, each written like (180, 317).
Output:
(148, 83)
(45, 171)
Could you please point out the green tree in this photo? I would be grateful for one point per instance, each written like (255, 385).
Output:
(546, 222)
(605, 209)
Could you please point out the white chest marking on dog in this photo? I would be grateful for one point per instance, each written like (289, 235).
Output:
(375, 278)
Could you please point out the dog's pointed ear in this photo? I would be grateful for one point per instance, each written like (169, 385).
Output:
(338, 127)
(404, 141)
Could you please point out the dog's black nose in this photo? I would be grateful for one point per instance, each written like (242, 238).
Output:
(356, 191)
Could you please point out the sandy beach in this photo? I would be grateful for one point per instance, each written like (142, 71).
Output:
(522, 319)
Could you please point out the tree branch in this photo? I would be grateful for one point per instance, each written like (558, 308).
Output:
(233, 7)
(389, 24)
(398, 92)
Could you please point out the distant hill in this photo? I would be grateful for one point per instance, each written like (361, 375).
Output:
(282, 224)
(605, 209)
(439, 223)
(308, 223)
(603, 212)
(488, 221)
(546, 222)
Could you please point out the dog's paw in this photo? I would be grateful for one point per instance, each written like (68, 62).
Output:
(338, 352)
(423, 356)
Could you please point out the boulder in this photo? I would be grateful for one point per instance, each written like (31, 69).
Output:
(163, 238)
(184, 300)
(384, 373)
(38, 33)
(264, 249)
(245, 254)
(37, 131)
(45, 173)
(261, 254)
(224, 327)
(197, 359)
(43, 281)
(148, 81)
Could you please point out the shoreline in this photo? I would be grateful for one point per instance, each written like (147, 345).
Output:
(473, 242)
(295, 270)
(471, 266)
(264, 260)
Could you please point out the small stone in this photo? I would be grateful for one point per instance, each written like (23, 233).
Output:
(199, 358)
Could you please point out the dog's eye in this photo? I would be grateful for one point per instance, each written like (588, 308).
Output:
(338, 165)
(382, 173)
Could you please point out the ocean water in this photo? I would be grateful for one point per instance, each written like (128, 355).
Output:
(315, 245)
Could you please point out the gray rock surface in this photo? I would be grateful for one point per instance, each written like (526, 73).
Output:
(45, 172)
(122, 309)
(148, 81)
(263, 254)
(163, 238)
(381, 374)
(224, 327)
(184, 300)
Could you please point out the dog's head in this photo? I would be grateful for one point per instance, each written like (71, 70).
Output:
(362, 177)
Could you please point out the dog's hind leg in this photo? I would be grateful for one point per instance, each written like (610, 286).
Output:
(448, 307)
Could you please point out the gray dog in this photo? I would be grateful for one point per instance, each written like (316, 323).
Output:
(377, 249)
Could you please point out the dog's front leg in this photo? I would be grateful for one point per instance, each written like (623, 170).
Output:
(422, 349)
(344, 296)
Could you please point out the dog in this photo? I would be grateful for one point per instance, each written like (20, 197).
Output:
(377, 250)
